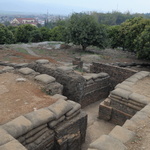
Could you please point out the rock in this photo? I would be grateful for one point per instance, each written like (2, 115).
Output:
(139, 98)
(40, 117)
(12, 145)
(122, 134)
(76, 107)
(106, 142)
(44, 78)
(124, 87)
(5, 137)
(60, 107)
(65, 68)
(55, 122)
(26, 71)
(54, 88)
(59, 96)
(42, 61)
(20, 80)
(7, 68)
(18, 126)
(122, 93)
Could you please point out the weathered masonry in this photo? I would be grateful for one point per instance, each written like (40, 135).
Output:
(84, 89)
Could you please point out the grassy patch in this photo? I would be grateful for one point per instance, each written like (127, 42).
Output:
(22, 50)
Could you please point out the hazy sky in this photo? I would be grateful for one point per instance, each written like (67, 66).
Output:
(69, 6)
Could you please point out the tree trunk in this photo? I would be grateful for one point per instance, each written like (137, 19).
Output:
(84, 47)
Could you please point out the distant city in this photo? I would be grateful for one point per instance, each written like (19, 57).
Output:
(7, 18)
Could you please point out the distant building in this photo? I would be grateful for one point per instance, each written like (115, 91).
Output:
(19, 21)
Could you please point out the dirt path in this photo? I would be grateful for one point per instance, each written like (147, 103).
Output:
(26, 47)
(96, 127)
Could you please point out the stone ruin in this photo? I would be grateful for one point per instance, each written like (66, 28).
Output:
(65, 128)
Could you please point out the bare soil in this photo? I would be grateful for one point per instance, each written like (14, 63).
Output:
(17, 98)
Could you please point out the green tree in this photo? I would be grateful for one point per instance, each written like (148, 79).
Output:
(44, 33)
(24, 33)
(113, 34)
(36, 36)
(85, 31)
(57, 33)
(142, 43)
(6, 36)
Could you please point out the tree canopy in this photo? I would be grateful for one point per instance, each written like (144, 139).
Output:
(85, 31)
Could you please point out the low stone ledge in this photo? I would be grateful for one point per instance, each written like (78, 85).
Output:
(140, 118)
(7, 68)
(75, 106)
(132, 79)
(60, 107)
(122, 93)
(18, 126)
(44, 78)
(106, 142)
(42, 61)
(55, 122)
(146, 109)
(73, 115)
(12, 145)
(26, 71)
(40, 117)
(59, 96)
(129, 124)
(139, 98)
(124, 87)
(122, 134)
(5, 137)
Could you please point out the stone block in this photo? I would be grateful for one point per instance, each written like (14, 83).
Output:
(53, 88)
(18, 126)
(146, 109)
(140, 118)
(132, 79)
(106, 142)
(105, 112)
(65, 68)
(34, 131)
(26, 71)
(122, 134)
(124, 87)
(7, 68)
(129, 124)
(42, 61)
(73, 115)
(60, 107)
(139, 98)
(40, 117)
(128, 83)
(44, 78)
(5, 137)
(12, 145)
(59, 96)
(52, 124)
(122, 93)
(76, 107)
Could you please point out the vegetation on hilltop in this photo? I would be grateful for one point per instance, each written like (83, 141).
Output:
(130, 32)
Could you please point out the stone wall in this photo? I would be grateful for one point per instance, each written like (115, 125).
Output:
(61, 126)
(84, 89)
(124, 107)
(117, 74)
(123, 102)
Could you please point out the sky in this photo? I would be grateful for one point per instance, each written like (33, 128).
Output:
(67, 7)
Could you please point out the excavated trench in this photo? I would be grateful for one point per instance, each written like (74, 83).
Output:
(96, 127)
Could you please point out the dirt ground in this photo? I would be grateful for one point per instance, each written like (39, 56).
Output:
(17, 98)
